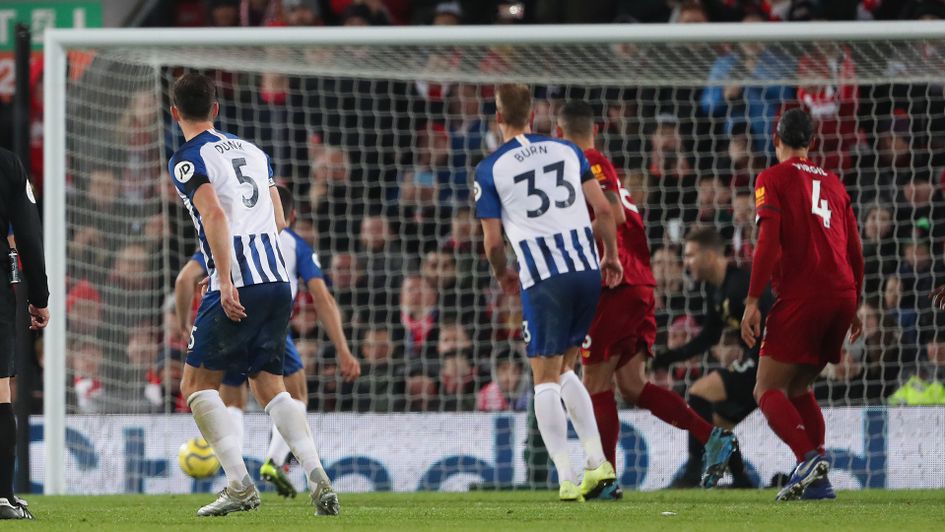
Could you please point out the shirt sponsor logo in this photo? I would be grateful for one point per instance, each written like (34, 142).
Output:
(183, 171)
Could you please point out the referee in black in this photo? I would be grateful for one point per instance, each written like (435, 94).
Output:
(17, 211)
(724, 395)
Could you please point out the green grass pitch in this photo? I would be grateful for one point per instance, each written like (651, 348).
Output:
(499, 511)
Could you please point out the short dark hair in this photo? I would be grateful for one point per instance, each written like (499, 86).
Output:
(194, 95)
(577, 118)
(285, 196)
(514, 101)
(796, 128)
(706, 237)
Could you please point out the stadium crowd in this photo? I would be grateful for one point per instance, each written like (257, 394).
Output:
(381, 171)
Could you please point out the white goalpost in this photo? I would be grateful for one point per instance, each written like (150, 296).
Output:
(354, 93)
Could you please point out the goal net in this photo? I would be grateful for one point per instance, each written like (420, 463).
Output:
(378, 139)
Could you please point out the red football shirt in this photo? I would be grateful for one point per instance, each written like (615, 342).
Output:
(632, 248)
(816, 222)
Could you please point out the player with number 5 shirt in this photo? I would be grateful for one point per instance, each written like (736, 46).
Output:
(809, 247)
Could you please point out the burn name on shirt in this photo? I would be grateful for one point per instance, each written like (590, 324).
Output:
(528, 151)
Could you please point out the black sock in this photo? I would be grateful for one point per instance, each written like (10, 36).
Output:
(704, 409)
(7, 450)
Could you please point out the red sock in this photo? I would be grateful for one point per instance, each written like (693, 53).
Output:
(786, 422)
(672, 409)
(608, 424)
(813, 417)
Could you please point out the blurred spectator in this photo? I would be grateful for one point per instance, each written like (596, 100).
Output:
(379, 257)
(86, 358)
(689, 12)
(423, 190)
(457, 383)
(332, 197)
(668, 271)
(224, 13)
(743, 227)
(894, 311)
(370, 13)
(346, 278)
(916, 275)
(421, 388)
(830, 97)
(508, 388)
(448, 14)
(84, 310)
(880, 249)
(730, 93)
(418, 314)
(381, 377)
(919, 210)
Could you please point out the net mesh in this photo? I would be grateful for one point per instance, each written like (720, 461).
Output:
(378, 145)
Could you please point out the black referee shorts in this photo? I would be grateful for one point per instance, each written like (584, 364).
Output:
(739, 382)
(7, 329)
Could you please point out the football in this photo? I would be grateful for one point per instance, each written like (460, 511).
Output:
(197, 459)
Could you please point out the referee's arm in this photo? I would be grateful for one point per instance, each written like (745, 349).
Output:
(27, 229)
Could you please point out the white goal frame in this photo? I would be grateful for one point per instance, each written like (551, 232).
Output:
(59, 41)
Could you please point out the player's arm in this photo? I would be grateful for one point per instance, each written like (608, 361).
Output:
(767, 253)
(855, 252)
(616, 208)
(709, 336)
(605, 230)
(184, 288)
(330, 318)
(277, 209)
(217, 229)
(494, 245)
(489, 212)
(28, 233)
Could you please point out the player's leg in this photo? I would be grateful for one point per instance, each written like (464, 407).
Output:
(273, 469)
(771, 393)
(738, 383)
(598, 379)
(552, 420)
(662, 403)
(9, 507)
(581, 411)
(233, 393)
(288, 416)
(703, 393)
(200, 385)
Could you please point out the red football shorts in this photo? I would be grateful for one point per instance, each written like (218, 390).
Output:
(624, 323)
(808, 331)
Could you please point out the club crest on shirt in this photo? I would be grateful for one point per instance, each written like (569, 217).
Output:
(477, 191)
(183, 171)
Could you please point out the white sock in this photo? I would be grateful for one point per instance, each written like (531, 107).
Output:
(288, 415)
(217, 427)
(237, 414)
(553, 425)
(278, 448)
(581, 411)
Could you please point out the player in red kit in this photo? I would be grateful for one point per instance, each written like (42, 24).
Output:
(624, 328)
(809, 247)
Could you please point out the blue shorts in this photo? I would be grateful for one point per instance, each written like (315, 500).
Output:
(255, 344)
(291, 364)
(559, 311)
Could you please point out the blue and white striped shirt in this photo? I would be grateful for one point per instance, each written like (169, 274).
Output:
(533, 183)
(241, 175)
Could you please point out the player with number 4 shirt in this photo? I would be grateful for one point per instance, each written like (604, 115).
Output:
(809, 247)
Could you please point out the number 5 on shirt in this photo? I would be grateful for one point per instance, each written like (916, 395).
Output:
(819, 206)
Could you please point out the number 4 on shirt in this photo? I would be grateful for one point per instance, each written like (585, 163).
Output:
(819, 206)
